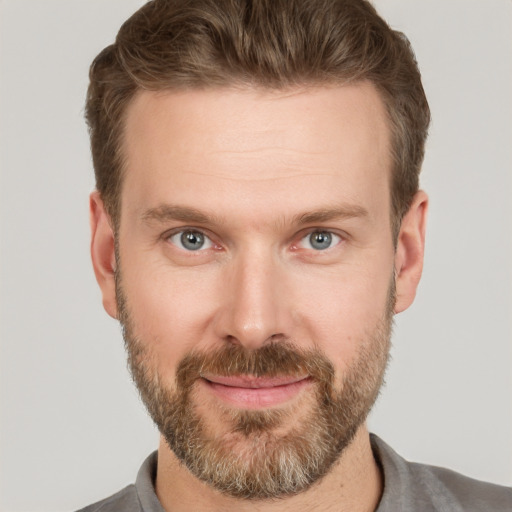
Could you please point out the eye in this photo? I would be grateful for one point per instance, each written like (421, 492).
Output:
(319, 240)
(191, 240)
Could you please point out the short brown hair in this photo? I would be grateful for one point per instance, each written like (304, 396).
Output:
(177, 44)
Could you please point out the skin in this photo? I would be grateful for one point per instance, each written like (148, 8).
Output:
(264, 169)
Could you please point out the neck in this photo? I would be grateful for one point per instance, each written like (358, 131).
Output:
(354, 483)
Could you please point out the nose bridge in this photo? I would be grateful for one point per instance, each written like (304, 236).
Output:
(253, 311)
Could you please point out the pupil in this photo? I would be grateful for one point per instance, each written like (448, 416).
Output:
(192, 240)
(321, 240)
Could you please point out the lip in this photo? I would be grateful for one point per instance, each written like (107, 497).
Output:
(250, 392)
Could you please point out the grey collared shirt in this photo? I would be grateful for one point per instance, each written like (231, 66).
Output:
(408, 487)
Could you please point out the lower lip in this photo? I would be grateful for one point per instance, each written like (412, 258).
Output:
(257, 398)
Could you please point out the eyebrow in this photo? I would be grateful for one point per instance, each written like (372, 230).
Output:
(165, 213)
(328, 214)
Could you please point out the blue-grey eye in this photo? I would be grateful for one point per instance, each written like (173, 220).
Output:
(191, 240)
(319, 240)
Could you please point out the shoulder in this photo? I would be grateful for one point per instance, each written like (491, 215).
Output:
(410, 486)
(456, 490)
(138, 497)
(125, 500)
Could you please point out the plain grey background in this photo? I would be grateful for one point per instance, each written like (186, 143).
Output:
(72, 429)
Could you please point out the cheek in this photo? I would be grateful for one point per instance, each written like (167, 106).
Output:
(344, 310)
(170, 310)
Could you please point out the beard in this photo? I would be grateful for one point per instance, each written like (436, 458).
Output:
(260, 454)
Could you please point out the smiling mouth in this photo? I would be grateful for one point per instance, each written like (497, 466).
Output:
(250, 392)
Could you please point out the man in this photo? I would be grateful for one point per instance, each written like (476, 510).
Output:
(256, 225)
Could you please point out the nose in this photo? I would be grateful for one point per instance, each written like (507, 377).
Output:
(254, 308)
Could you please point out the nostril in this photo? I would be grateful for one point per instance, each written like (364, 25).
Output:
(278, 338)
(233, 340)
(256, 341)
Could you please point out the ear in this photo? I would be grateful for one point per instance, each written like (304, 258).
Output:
(103, 252)
(409, 251)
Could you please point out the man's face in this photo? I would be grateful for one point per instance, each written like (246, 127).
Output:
(255, 275)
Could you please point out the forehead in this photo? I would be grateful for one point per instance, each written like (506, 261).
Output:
(254, 143)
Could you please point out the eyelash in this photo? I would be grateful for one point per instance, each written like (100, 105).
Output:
(331, 236)
(334, 239)
(198, 233)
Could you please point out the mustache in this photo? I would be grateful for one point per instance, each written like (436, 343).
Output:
(275, 359)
